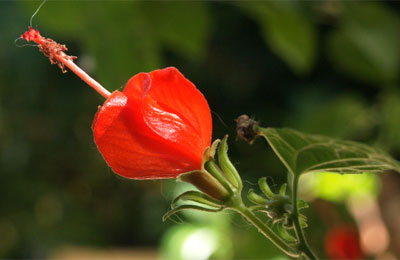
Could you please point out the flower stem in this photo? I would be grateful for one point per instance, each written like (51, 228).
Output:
(302, 242)
(239, 207)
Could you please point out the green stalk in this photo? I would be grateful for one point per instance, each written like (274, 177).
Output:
(239, 207)
(303, 245)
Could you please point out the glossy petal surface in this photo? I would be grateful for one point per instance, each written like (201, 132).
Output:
(158, 127)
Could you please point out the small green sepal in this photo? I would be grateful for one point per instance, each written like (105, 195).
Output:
(219, 181)
(226, 165)
(301, 204)
(264, 187)
(213, 149)
(282, 230)
(185, 207)
(198, 197)
(206, 183)
(278, 207)
(212, 168)
(255, 198)
(282, 190)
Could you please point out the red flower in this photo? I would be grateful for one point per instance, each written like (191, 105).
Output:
(158, 127)
(343, 243)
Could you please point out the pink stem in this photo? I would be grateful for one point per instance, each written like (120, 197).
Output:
(55, 52)
(85, 77)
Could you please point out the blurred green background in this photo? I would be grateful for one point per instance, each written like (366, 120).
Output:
(326, 67)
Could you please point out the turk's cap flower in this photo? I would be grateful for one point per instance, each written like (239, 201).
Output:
(158, 127)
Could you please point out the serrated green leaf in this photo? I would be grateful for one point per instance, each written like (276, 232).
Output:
(305, 153)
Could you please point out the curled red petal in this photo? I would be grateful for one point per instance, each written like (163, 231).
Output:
(173, 108)
(158, 127)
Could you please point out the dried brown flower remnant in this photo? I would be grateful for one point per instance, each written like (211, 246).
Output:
(246, 128)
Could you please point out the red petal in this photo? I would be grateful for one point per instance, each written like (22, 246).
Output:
(150, 130)
(174, 109)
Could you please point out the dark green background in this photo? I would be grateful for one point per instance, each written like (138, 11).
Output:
(329, 67)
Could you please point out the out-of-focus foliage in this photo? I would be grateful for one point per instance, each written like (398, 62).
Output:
(325, 186)
(341, 116)
(365, 42)
(325, 67)
(288, 31)
(390, 106)
(133, 34)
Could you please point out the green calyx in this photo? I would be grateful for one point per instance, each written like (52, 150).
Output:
(230, 171)
(218, 182)
(220, 188)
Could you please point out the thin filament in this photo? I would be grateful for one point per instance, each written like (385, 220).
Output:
(37, 10)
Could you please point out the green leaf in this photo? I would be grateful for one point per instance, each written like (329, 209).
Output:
(305, 153)
(287, 30)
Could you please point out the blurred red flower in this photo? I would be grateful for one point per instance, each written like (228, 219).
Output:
(343, 243)
(158, 127)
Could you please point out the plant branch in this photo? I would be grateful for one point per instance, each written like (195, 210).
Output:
(239, 207)
(303, 245)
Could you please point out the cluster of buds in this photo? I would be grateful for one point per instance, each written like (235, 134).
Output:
(277, 206)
